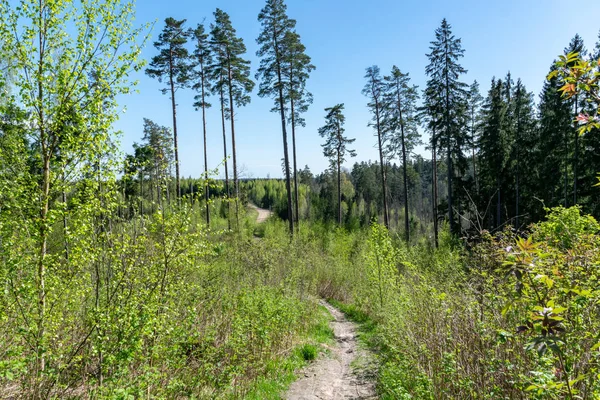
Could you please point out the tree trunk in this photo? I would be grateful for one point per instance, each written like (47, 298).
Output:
(65, 224)
(566, 172)
(227, 194)
(517, 194)
(498, 201)
(518, 166)
(233, 149)
(206, 185)
(175, 146)
(339, 175)
(386, 217)
(286, 159)
(406, 222)
(576, 160)
(449, 144)
(434, 188)
(474, 159)
(43, 226)
(296, 197)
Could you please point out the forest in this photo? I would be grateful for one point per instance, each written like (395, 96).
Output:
(468, 272)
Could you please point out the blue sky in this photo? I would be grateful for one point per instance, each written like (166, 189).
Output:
(343, 37)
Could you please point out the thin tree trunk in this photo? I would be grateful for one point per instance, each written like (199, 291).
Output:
(286, 159)
(174, 107)
(46, 154)
(227, 194)
(386, 217)
(65, 224)
(576, 160)
(518, 194)
(449, 144)
(233, 149)
(296, 197)
(498, 202)
(474, 159)
(434, 188)
(339, 175)
(206, 185)
(406, 222)
(518, 166)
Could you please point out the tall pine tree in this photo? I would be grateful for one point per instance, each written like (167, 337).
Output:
(172, 64)
(404, 135)
(236, 70)
(217, 74)
(273, 52)
(375, 92)
(296, 72)
(202, 59)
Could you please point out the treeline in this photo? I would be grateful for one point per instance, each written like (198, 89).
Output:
(212, 63)
(496, 159)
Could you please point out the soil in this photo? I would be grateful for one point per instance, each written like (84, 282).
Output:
(345, 373)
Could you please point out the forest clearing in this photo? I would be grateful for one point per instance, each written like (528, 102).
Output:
(142, 258)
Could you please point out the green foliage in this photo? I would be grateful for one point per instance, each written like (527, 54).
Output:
(381, 264)
(506, 318)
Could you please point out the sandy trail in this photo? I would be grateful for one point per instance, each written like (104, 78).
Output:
(342, 375)
(263, 214)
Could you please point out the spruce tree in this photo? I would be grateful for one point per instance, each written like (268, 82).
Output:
(474, 120)
(495, 147)
(375, 92)
(172, 65)
(578, 103)
(431, 114)
(556, 127)
(590, 154)
(202, 59)
(236, 71)
(404, 135)
(523, 149)
(273, 51)
(445, 70)
(335, 147)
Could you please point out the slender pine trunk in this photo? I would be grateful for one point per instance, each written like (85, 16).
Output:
(206, 185)
(174, 108)
(227, 194)
(286, 159)
(296, 197)
(339, 175)
(406, 222)
(233, 148)
(386, 217)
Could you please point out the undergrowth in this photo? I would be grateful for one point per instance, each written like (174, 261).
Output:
(504, 317)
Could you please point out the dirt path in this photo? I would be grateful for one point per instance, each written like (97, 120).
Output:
(263, 214)
(343, 374)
